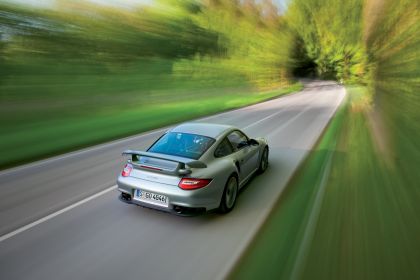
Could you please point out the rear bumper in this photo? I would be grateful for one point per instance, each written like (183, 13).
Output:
(179, 201)
(177, 210)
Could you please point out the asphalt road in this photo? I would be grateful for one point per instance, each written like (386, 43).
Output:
(103, 238)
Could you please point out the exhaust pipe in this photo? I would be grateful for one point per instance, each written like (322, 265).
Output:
(126, 196)
(178, 209)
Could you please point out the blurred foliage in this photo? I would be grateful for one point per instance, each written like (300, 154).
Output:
(253, 40)
(243, 38)
(76, 64)
(89, 32)
(394, 50)
(328, 39)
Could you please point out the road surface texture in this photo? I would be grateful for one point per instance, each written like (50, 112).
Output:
(60, 218)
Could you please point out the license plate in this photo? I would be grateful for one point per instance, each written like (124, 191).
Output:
(151, 198)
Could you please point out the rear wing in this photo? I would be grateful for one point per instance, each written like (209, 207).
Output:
(183, 163)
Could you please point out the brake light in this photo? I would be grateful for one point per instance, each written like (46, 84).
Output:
(127, 170)
(193, 184)
(151, 167)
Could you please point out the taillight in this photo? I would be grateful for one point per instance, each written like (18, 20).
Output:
(192, 184)
(127, 170)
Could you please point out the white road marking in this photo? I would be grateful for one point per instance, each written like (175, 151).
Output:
(281, 127)
(277, 113)
(306, 108)
(264, 119)
(52, 215)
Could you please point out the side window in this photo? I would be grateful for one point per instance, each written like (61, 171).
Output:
(237, 139)
(223, 149)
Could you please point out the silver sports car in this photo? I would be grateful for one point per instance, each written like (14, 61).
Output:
(193, 167)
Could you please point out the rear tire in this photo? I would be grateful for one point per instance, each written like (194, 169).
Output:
(229, 195)
(263, 162)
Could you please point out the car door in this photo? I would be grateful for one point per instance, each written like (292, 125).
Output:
(246, 155)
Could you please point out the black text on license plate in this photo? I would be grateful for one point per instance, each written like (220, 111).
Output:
(152, 198)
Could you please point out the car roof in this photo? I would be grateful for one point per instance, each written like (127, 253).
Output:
(206, 129)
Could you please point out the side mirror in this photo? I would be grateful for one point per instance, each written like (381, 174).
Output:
(243, 144)
(253, 142)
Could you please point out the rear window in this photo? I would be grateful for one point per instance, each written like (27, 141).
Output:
(182, 145)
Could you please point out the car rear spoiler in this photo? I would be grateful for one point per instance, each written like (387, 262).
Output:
(183, 163)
